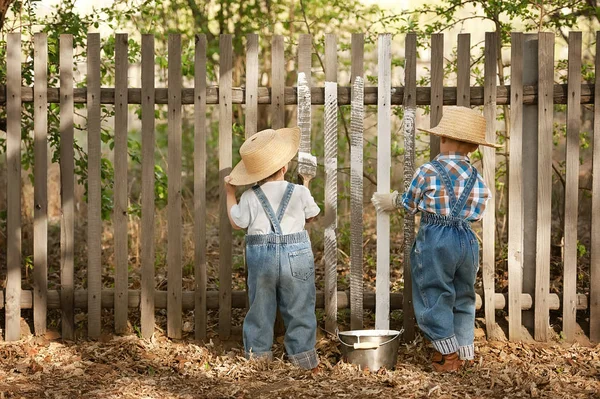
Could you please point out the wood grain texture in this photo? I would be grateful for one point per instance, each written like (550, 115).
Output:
(200, 133)
(251, 110)
(437, 90)
(148, 212)
(410, 110)
(225, 163)
(463, 83)
(120, 216)
(544, 197)
(304, 83)
(384, 166)
(174, 244)
(572, 188)
(489, 175)
(356, 182)
(40, 178)
(94, 216)
(515, 191)
(67, 183)
(13, 189)
(595, 233)
(277, 99)
(331, 184)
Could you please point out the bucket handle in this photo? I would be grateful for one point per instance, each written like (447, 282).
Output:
(366, 345)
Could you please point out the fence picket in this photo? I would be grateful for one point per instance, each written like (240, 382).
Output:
(200, 134)
(40, 220)
(277, 83)
(13, 178)
(437, 90)
(120, 166)
(174, 245)
(356, 181)
(67, 183)
(331, 186)
(572, 187)
(489, 174)
(225, 163)
(463, 66)
(251, 109)
(305, 172)
(515, 190)
(410, 111)
(595, 233)
(94, 216)
(384, 166)
(544, 198)
(148, 212)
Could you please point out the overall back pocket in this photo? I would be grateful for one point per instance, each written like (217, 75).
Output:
(302, 263)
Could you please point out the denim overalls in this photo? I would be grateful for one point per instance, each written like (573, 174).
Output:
(281, 272)
(444, 262)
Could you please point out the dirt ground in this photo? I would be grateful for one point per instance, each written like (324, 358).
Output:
(129, 367)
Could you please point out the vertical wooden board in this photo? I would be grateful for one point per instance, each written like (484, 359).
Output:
(515, 190)
(489, 175)
(463, 83)
(410, 109)
(356, 181)
(331, 187)
(595, 233)
(251, 84)
(200, 133)
(437, 90)
(304, 98)
(277, 83)
(148, 137)
(225, 160)
(174, 246)
(67, 182)
(40, 170)
(13, 161)
(384, 166)
(120, 183)
(544, 212)
(94, 216)
(572, 187)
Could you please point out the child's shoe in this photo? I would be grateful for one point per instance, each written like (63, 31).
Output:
(448, 363)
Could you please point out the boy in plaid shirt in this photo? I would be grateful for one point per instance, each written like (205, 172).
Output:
(450, 194)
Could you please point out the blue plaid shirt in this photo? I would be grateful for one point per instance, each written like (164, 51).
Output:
(427, 192)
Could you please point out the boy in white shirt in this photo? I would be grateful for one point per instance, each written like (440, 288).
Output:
(278, 249)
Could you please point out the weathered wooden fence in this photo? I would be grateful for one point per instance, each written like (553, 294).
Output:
(531, 127)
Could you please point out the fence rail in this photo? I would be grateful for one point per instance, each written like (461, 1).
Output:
(529, 105)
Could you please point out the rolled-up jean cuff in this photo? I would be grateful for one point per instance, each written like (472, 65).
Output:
(305, 360)
(446, 346)
(466, 352)
(261, 355)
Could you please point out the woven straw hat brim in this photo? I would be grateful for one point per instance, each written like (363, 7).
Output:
(281, 151)
(443, 133)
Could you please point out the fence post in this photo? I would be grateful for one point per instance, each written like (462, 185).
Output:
(410, 110)
(530, 174)
(595, 241)
(437, 90)
(384, 165)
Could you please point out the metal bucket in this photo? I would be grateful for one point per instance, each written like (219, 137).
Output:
(370, 349)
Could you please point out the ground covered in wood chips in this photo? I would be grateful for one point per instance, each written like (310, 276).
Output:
(129, 367)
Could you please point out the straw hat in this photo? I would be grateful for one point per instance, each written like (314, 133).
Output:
(462, 124)
(264, 154)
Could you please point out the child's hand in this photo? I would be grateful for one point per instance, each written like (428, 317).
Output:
(230, 189)
(384, 202)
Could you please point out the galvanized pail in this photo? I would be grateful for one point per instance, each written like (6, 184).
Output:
(370, 349)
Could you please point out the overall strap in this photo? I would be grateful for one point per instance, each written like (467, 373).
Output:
(285, 200)
(262, 198)
(443, 174)
(464, 196)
